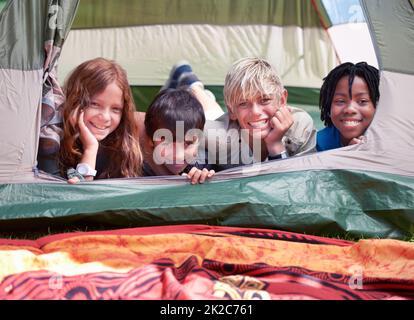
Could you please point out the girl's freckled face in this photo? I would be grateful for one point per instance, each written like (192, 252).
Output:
(104, 113)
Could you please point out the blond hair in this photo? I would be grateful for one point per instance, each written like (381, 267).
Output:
(248, 78)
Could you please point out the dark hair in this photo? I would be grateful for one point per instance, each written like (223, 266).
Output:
(363, 70)
(173, 105)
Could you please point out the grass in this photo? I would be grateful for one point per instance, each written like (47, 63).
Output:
(35, 234)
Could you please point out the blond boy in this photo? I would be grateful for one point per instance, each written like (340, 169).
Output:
(258, 126)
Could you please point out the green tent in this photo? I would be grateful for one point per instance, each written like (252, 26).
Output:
(148, 37)
(363, 190)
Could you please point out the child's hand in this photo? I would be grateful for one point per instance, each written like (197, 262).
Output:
(281, 123)
(87, 138)
(199, 176)
(360, 139)
(73, 180)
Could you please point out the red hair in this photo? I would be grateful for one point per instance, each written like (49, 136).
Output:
(121, 146)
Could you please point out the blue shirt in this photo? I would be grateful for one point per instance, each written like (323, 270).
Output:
(328, 138)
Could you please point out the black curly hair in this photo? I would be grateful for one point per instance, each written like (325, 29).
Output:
(363, 70)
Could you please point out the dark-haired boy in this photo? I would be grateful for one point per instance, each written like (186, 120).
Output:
(174, 125)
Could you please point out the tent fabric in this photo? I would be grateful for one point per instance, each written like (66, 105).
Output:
(211, 35)
(200, 262)
(334, 202)
(222, 35)
(2, 4)
(21, 62)
(57, 29)
(348, 30)
(394, 52)
(94, 13)
(302, 56)
(359, 35)
(20, 44)
(28, 54)
(18, 148)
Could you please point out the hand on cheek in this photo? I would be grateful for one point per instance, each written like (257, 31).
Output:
(280, 123)
(88, 140)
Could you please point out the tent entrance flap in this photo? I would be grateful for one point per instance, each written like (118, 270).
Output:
(325, 202)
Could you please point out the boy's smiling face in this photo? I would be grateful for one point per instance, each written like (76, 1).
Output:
(175, 156)
(255, 114)
(352, 115)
